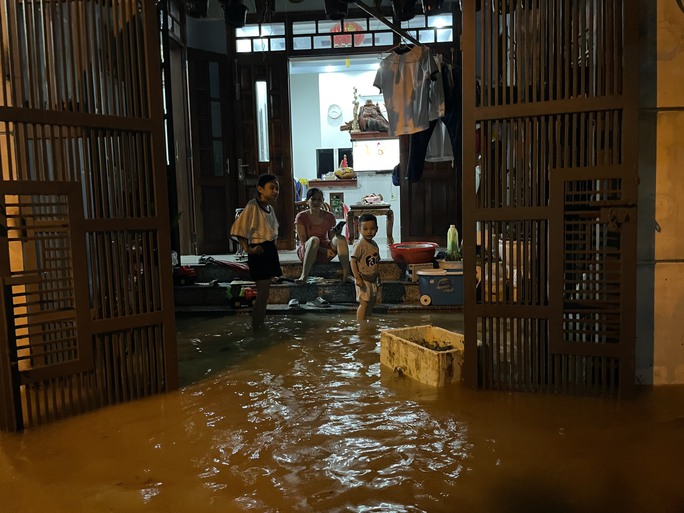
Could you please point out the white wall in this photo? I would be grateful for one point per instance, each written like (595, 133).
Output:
(339, 88)
(306, 127)
(310, 96)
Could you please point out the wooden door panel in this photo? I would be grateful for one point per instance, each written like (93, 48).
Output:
(555, 308)
(85, 250)
(215, 186)
(271, 69)
(215, 215)
(179, 153)
(431, 204)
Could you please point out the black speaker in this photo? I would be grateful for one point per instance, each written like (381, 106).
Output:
(336, 9)
(197, 8)
(404, 10)
(235, 14)
(432, 6)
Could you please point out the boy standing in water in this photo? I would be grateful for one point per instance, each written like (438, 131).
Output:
(365, 259)
(257, 230)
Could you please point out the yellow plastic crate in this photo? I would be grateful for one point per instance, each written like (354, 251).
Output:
(421, 353)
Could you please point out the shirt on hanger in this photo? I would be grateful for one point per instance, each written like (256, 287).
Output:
(405, 80)
(436, 92)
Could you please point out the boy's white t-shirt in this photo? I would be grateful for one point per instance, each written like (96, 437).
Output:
(367, 256)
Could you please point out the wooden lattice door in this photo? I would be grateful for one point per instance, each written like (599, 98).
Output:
(85, 258)
(550, 92)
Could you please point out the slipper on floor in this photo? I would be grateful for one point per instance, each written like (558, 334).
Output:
(293, 303)
(319, 302)
(281, 279)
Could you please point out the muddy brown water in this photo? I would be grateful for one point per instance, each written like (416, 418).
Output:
(304, 419)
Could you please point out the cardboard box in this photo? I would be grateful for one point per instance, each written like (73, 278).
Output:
(428, 354)
(441, 287)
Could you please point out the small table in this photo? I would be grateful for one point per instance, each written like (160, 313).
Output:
(356, 211)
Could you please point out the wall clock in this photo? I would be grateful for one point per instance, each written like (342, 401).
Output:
(334, 111)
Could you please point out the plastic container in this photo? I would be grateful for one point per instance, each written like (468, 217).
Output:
(452, 240)
(450, 264)
(413, 252)
(440, 287)
(428, 354)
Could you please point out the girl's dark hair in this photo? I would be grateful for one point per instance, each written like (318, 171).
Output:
(264, 179)
(311, 192)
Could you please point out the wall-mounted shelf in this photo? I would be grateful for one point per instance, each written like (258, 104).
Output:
(362, 136)
(350, 182)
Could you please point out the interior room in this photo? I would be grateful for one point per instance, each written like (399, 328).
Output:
(319, 142)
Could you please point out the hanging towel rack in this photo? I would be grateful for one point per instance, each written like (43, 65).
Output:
(395, 28)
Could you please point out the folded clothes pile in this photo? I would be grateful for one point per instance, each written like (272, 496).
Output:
(372, 199)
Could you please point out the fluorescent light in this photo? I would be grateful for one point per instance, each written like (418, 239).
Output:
(440, 22)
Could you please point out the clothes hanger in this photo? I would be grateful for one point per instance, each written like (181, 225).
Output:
(403, 46)
(400, 48)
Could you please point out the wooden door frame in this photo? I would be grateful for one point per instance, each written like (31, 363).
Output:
(273, 69)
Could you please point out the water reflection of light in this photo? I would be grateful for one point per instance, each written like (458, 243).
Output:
(149, 493)
(280, 427)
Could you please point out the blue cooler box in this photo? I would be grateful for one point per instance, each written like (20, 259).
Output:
(441, 287)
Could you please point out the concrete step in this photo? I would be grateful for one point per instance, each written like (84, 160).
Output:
(212, 290)
(228, 271)
(332, 290)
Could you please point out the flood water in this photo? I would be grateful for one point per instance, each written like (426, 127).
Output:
(304, 419)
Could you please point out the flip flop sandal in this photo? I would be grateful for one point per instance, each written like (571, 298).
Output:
(293, 303)
(281, 279)
(319, 302)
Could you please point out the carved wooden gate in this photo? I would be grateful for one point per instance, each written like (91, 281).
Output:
(552, 87)
(85, 267)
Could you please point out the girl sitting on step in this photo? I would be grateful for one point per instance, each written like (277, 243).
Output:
(319, 240)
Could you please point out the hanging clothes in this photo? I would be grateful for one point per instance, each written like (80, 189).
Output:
(405, 79)
(439, 148)
(436, 100)
(418, 143)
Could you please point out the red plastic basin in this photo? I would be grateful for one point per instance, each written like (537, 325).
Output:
(413, 252)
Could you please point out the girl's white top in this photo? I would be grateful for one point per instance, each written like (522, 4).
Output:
(255, 224)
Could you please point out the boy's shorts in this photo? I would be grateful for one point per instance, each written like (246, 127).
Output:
(367, 295)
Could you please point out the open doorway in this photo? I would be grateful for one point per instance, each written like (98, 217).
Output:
(322, 95)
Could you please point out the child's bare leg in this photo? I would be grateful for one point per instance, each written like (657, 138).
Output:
(259, 307)
(310, 252)
(361, 311)
(369, 307)
(342, 247)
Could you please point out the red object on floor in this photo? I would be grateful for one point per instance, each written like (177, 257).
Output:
(184, 275)
(413, 252)
(241, 270)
